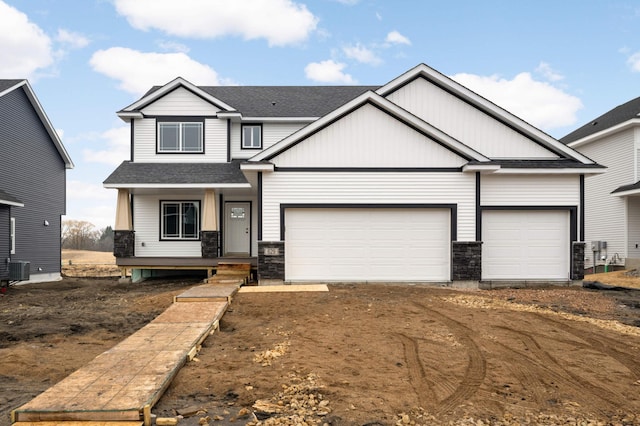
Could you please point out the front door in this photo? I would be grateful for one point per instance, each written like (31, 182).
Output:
(237, 225)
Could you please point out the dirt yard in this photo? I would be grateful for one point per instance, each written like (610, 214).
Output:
(356, 355)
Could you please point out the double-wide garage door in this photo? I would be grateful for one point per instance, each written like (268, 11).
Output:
(367, 244)
(525, 244)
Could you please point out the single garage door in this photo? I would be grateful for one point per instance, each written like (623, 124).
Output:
(367, 244)
(525, 245)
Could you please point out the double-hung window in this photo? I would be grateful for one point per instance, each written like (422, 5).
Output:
(180, 220)
(251, 136)
(180, 137)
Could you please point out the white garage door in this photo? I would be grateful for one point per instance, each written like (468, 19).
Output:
(525, 245)
(367, 244)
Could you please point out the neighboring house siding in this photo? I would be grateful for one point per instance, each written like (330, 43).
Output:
(180, 102)
(32, 171)
(5, 242)
(368, 188)
(605, 217)
(465, 123)
(215, 143)
(146, 216)
(529, 190)
(271, 133)
(369, 137)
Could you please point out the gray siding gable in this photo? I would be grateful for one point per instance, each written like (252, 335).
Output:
(32, 171)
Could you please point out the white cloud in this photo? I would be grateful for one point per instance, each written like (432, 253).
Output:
(361, 54)
(24, 47)
(91, 202)
(79, 190)
(547, 72)
(394, 37)
(173, 46)
(634, 62)
(536, 102)
(138, 71)
(117, 143)
(71, 39)
(328, 71)
(280, 22)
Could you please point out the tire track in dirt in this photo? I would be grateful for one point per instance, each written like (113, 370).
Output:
(608, 346)
(476, 368)
(543, 360)
(417, 375)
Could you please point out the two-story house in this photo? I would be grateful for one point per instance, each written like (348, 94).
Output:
(419, 180)
(33, 165)
(613, 198)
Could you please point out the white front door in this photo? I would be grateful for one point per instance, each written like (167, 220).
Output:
(237, 225)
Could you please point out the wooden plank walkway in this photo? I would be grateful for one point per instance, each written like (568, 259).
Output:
(122, 384)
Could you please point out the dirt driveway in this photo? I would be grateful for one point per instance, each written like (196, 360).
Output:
(356, 355)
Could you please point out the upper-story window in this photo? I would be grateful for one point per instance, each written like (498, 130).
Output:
(180, 136)
(252, 136)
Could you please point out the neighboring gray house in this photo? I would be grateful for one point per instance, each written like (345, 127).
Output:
(419, 180)
(33, 165)
(612, 199)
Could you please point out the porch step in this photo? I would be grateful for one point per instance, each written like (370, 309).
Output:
(226, 270)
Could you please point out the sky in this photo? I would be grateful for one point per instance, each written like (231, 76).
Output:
(554, 63)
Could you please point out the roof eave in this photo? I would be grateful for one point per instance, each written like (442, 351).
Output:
(175, 185)
(604, 133)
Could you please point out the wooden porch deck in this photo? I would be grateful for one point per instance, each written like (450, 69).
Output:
(124, 383)
(182, 263)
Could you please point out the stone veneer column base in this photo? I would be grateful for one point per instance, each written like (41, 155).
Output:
(466, 261)
(577, 260)
(209, 243)
(124, 243)
(270, 260)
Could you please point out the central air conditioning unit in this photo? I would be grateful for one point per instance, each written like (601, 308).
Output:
(19, 270)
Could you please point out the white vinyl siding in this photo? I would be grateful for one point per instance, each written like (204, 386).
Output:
(606, 214)
(529, 245)
(465, 123)
(146, 216)
(271, 133)
(530, 190)
(180, 102)
(368, 187)
(215, 143)
(368, 137)
(367, 244)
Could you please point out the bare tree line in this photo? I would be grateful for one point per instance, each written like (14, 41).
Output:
(83, 235)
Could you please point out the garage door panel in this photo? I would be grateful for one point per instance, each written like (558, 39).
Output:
(525, 245)
(367, 244)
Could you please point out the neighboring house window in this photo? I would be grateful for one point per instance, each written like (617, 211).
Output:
(180, 220)
(251, 136)
(13, 235)
(180, 137)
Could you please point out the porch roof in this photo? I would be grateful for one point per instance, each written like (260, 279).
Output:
(132, 175)
(624, 190)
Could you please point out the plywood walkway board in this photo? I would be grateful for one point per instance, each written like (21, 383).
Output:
(284, 288)
(121, 384)
(211, 292)
(78, 424)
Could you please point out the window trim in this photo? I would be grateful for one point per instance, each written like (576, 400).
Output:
(180, 238)
(180, 121)
(245, 125)
(12, 235)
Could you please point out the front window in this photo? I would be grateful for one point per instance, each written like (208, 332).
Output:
(180, 220)
(252, 136)
(180, 137)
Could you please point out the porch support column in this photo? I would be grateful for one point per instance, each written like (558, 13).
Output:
(123, 234)
(209, 235)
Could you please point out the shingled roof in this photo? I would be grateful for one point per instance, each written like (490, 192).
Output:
(618, 115)
(283, 101)
(6, 84)
(129, 173)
